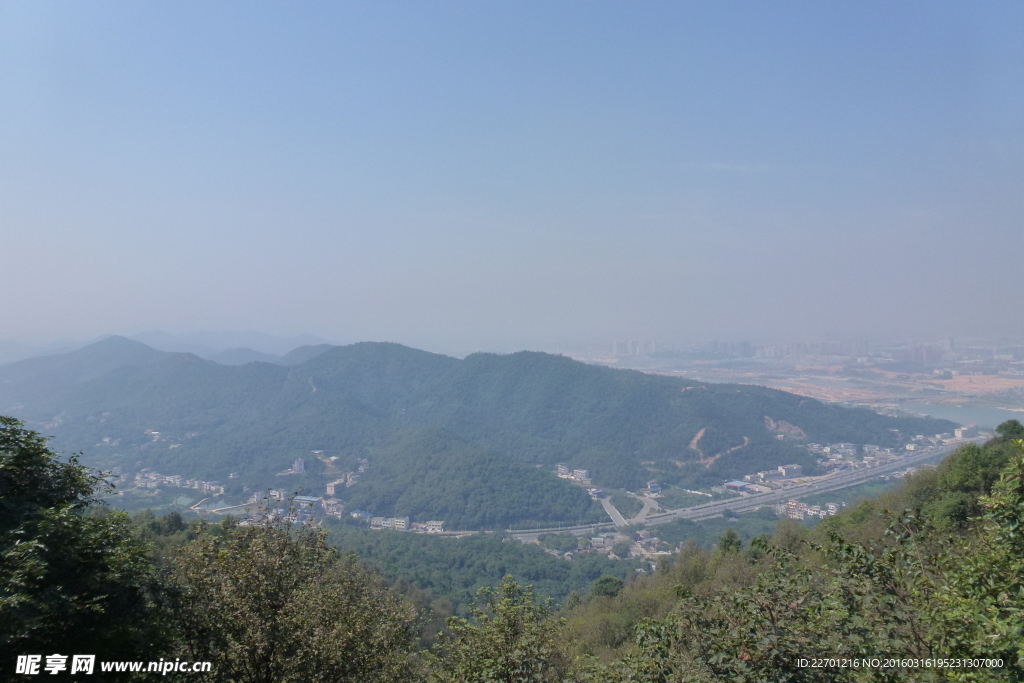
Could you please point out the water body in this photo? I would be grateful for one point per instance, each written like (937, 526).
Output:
(986, 418)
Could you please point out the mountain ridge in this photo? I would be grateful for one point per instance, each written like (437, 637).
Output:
(532, 408)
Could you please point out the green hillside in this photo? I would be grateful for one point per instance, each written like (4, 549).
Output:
(450, 478)
(129, 406)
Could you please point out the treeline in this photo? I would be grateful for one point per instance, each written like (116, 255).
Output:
(932, 571)
(451, 570)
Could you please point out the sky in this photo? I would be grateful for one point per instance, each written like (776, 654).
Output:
(517, 174)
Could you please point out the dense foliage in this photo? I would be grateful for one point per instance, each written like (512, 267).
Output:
(272, 601)
(72, 577)
(510, 640)
(452, 570)
(627, 506)
(469, 487)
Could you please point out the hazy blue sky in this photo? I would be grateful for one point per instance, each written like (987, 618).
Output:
(494, 173)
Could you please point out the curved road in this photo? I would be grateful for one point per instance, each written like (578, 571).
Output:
(649, 504)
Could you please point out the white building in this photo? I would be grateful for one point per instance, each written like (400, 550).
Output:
(789, 471)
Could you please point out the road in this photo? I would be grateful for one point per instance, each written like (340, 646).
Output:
(752, 502)
(613, 512)
(649, 504)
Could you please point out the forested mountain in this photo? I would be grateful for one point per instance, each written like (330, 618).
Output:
(432, 473)
(242, 355)
(132, 407)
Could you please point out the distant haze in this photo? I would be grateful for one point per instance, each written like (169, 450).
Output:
(468, 175)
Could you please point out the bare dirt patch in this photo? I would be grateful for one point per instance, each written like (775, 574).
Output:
(784, 427)
(696, 440)
(979, 384)
(707, 462)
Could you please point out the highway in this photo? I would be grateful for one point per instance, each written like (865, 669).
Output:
(833, 483)
(750, 502)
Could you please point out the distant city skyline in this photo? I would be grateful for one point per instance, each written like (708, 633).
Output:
(213, 344)
(485, 176)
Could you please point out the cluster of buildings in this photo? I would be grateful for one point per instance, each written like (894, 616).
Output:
(396, 523)
(922, 441)
(634, 347)
(766, 481)
(296, 516)
(349, 478)
(582, 476)
(653, 488)
(965, 432)
(642, 545)
(298, 467)
(303, 510)
(990, 358)
(332, 507)
(844, 456)
(277, 494)
(403, 524)
(600, 544)
(647, 545)
(794, 509)
(150, 479)
(603, 542)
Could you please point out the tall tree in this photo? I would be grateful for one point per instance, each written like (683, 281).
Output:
(273, 603)
(512, 641)
(72, 577)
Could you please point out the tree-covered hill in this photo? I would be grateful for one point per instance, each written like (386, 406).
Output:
(470, 487)
(127, 405)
